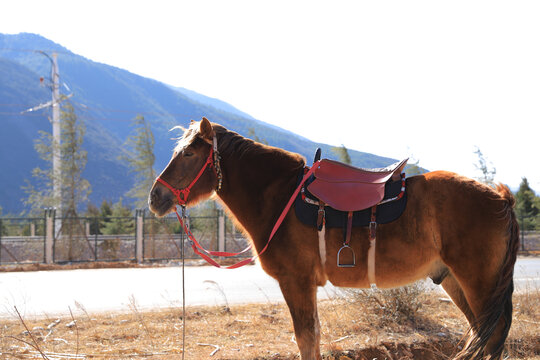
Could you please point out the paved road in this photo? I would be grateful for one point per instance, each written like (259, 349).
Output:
(52, 292)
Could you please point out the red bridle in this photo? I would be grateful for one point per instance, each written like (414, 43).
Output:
(212, 161)
(182, 194)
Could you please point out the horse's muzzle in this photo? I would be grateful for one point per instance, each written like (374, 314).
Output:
(160, 202)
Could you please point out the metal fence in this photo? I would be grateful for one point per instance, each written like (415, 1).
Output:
(138, 238)
(530, 241)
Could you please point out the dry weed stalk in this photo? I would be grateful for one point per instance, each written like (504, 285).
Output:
(216, 348)
(35, 345)
(76, 329)
(133, 306)
(218, 287)
(83, 309)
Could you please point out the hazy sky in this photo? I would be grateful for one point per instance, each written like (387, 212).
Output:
(428, 79)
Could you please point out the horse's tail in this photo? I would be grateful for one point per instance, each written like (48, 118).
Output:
(500, 304)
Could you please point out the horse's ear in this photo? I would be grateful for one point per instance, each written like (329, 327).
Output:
(206, 130)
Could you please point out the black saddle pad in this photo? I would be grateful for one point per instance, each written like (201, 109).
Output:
(388, 212)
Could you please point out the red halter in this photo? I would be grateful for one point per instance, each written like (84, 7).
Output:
(213, 162)
(182, 194)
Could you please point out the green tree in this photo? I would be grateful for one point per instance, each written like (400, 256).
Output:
(486, 168)
(3, 229)
(141, 145)
(92, 213)
(121, 221)
(74, 190)
(537, 218)
(40, 192)
(106, 209)
(342, 154)
(117, 220)
(413, 168)
(105, 214)
(253, 135)
(527, 206)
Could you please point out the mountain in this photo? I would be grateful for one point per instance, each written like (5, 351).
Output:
(210, 101)
(106, 99)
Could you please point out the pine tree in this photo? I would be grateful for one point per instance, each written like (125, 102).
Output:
(486, 168)
(413, 168)
(105, 214)
(526, 206)
(40, 192)
(342, 154)
(141, 163)
(253, 135)
(74, 190)
(92, 214)
(121, 220)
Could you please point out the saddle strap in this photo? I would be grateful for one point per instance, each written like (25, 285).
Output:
(372, 243)
(349, 228)
(321, 214)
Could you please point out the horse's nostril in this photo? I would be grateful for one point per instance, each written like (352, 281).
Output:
(155, 195)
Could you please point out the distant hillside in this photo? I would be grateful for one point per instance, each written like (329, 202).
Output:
(106, 98)
(213, 102)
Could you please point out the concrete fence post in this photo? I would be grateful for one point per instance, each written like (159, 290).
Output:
(49, 235)
(139, 235)
(221, 231)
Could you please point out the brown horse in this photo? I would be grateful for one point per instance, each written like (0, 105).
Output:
(455, 230)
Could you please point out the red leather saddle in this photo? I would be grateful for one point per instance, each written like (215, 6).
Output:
(348, 188)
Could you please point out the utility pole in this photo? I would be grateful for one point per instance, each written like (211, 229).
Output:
(55, 120)
(56, 130)
(56, 133)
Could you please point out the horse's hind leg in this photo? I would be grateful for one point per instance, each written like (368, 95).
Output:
(301, 297)
(486, 286)
(452, 288)
(487, 310)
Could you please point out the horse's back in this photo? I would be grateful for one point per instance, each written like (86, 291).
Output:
(453, 196)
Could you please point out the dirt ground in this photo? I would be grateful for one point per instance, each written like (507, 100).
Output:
(364, 324)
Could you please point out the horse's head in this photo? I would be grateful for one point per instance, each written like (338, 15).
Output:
(193, 172)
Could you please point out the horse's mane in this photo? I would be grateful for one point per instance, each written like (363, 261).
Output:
(232, 143)
(189, 135)
(235, 147)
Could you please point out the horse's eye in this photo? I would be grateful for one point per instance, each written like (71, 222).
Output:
(187, 153)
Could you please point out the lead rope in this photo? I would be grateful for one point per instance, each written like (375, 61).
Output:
(183, 288)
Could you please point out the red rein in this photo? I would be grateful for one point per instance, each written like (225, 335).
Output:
(205, 253)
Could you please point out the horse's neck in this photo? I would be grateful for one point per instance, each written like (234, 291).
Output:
(256, 188)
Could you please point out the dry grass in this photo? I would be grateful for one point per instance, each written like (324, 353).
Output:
(363, 325)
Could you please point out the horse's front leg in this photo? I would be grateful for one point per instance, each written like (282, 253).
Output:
(301, 297)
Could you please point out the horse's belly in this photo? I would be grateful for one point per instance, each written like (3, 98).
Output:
(400, 254)
(386, 279)
(388, 272)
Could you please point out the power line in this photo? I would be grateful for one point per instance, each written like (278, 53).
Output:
(19, 114)
(63, 52)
